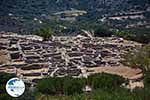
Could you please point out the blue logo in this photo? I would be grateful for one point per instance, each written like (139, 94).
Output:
(15, 87)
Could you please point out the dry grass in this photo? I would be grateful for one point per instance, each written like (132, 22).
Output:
(126, 72)
(3, 57)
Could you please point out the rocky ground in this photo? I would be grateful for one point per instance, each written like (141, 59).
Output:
(31, 58)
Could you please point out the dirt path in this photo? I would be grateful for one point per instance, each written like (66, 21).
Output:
(126, 72)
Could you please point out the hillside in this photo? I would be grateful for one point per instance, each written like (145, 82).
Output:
(24, 11)
(37, 7)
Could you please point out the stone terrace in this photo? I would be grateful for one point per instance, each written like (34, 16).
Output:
(32, 58)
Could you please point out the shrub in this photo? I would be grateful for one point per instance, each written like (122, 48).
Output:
(4, 77)
(138, 58)
(49, 85)
(45, 32)
(105, 81)
(73, 85)
(66, 85)
(70, 86)
(142, 37)
(147, 79)
(125, 35)
(102, 32)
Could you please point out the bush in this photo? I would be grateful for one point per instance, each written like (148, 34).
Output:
(116, 94)
(138, 37)
(105, 81)
(147, 79)
(146, 90)
(49, 85)
(73, 85)
(102, 32)
(66, 85)
(106, 87)
(142, 38)
(125, 35)
(45, 32)
(4, 77)
(138, 58)
(5, 96)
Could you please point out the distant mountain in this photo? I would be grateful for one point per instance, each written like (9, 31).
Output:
(96, 8)
(37, 7)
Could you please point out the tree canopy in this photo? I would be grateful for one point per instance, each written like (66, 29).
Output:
(45, 32)
(102, 32)
(64, 85)
(139, 58)
(105, 81)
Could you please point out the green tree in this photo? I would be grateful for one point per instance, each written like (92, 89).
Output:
(125, 35)
(147, 79)
(45, 32)
(105, 81)
(73, 85)
(142, 38)
(139, 58)
(49, 85)
(102, 32)
(64, 85)
(4, 77)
